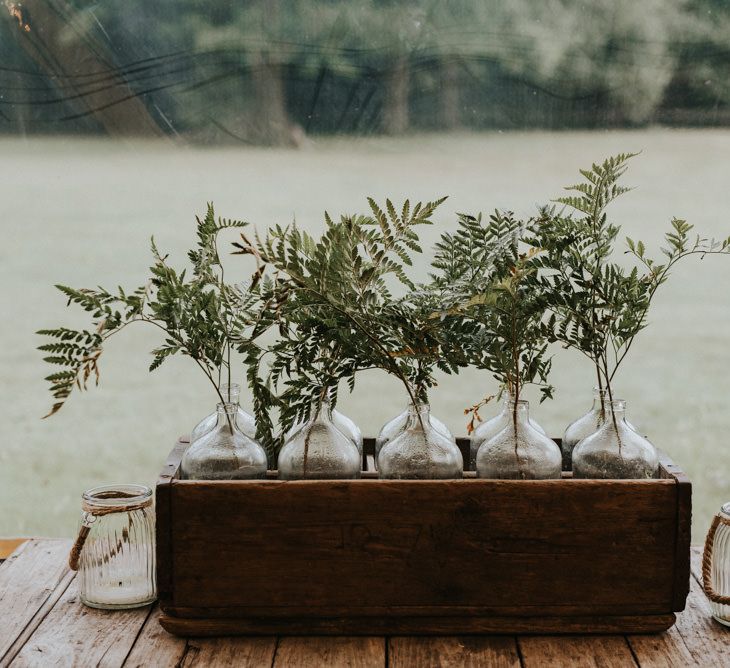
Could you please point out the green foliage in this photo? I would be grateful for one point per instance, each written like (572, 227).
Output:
(599, 305)
(334, 303)
(486, 279)
(199, 314)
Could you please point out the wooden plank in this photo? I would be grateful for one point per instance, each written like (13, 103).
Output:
(227, 652)
(398, 625)
(316, 652)
(684, 530)
(706, 640)
(324, 542)
(27, 581)
(9, 545)
(663, 650)
(163, 516)
(453, 652)
(566, 652)
(155, 646)
(73, 635)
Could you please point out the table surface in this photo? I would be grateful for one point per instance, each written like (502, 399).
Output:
(43, 623)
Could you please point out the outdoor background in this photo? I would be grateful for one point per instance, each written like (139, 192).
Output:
(119, 121)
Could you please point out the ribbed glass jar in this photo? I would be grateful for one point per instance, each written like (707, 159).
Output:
(490, 428)
(116, 567)
(716, 566)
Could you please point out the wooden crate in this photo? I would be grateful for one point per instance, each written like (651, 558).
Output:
(393, 557)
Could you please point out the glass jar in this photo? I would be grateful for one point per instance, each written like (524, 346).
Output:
(342, 422)
(519, 451)
(492, 427)
(420, 451)
(319, 451)
(615, 451)
(115, 549)
(225, 453)
(716, 566)
(585, 426)
(398, 425)
(244, 420)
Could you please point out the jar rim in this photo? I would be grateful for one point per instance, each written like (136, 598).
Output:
(117, 495)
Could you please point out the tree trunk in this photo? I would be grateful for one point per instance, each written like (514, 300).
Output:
(450, 102)
(271, 121)
(395, 106)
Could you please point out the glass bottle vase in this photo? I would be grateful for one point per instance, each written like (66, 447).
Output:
(716, 566)
(225, 452)
(115, 551)
(585, 425)
(319, 451)
(244, 420)
(519, 451)
(490, 428)
(420, 451)
(341, 421)
(398, 425)
(615, 451)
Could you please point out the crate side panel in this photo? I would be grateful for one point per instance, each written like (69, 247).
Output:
(369, 544)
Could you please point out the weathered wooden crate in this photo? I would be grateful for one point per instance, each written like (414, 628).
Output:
(421, 557)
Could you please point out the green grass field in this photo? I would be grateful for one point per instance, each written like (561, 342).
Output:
(80, 212)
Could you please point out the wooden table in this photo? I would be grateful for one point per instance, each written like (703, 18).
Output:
(42, 623)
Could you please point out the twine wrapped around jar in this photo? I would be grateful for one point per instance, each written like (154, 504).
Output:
(714, 596)
(91, 512)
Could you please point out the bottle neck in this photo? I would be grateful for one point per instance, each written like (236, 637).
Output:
(419, 416)
(519, 412)
(231, 393)
(227, 414)
(324, 415)
(615, 412)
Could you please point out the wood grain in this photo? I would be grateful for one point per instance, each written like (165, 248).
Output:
(27, 580)
(569, 652)
(227, 652)
(453, 652)
(155, 647)
(427, 543)
(708, 641)
(73, 635)
(338, 652)
(398, 625)
(163, 519)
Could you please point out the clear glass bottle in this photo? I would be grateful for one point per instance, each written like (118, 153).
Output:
(115, 551)
(585, 426)
(716, 566)
(342, 422)
(615, 451)
(519, 451)
(319, 451)
(398, 425)
(420, 451)
(225, 453)
(490, 428)
(245, 421)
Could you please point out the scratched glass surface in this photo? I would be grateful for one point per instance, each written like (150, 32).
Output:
(121, 120)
